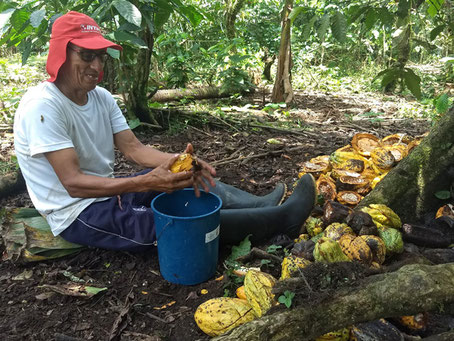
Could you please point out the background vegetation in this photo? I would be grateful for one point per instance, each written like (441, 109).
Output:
(404, 47)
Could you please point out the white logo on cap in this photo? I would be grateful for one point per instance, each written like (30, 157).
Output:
(89, 28)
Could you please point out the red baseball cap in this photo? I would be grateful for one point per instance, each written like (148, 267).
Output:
(79, 29)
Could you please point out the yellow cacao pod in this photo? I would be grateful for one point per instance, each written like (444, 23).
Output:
(218, 315)
(356, 249)
(377, 246)
(257, 287)
(383, 216)
(338, 335)
(364, 143)
(336, 230)
(183, 163)
(291, 265)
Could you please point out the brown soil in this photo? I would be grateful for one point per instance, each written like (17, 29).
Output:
(138, 303)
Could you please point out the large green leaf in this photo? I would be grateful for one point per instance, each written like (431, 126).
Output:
(37, 17)
(128, 11)
(127, 37)
(356, 11)
(413, 82)
(434, 6)
(323, 27)
(28, 237)
(192, 14)
(26, 47)
(339, 26)
(436, 31)
(295, 12)
(19, 19)
(389, 75)
(371, 18)
(442, 103)
(308, 27)
(403, 8)
(385, 16)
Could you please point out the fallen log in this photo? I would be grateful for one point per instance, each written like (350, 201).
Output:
(196, 93)
(407, 291)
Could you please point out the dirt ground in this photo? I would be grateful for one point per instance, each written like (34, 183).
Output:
(138, 303)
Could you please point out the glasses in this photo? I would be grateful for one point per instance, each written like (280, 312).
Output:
(88, 56)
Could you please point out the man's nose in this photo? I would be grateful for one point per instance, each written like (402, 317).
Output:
(98, 63)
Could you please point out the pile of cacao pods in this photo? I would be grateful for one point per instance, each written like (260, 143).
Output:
(352, 171)
(338, 234)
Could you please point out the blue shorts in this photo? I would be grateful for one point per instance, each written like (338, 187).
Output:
(123, 222)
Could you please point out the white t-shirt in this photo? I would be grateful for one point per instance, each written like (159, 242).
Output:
(45, 121)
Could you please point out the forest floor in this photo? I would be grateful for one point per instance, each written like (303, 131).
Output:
(138, 303)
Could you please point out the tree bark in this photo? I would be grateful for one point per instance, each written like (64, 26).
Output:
(409, 290)
(233, 7)
(11, 184)
(409, 188)
(137, 95)
(282, 90)
(199, 93)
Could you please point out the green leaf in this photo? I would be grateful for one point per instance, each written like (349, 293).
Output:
(128, 11)
(307, 28)
(323, 27)
(26, 47)
(356, 11)
(413, 82)
(436, 31)
(339, 26)
(114, 53)
(5, 16)
(434, 6)
(294, 13)
(389, 76)
(371, 18)
(127, 37)
(134, 123)
(19, 19)
(442, 103)
(242, 249)
(443, 195)
(403, 8)
(385, 16)
(192, 14)
(37, 17)
(94, 290)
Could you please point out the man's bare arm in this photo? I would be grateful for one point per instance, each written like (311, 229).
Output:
(66, 165)
(135, 151)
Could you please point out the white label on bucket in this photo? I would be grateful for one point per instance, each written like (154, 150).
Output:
(210, 236)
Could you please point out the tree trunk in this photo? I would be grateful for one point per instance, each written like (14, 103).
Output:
(410, 290)
(233, 7)
(137, 94)
(11, 184)
(409, 188)
(282, 90)
(198, 93)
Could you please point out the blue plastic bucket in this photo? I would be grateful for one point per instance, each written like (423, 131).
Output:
(187, 233)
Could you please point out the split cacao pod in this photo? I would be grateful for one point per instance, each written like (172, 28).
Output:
(183, 163)
(257, 287)
(219, 315)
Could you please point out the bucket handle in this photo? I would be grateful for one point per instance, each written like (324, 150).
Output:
(155, 243)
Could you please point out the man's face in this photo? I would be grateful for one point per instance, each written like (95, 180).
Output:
(82, 67)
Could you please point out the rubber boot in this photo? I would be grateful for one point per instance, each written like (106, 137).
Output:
(264, 222)
(233, 197)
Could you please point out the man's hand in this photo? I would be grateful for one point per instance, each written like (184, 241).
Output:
(202, 174)
(161, 179)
